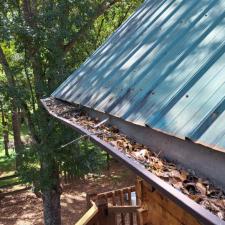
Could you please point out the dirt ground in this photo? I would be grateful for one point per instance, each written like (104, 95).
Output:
(26, 208)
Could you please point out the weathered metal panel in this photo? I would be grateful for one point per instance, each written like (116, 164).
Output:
(164, 68)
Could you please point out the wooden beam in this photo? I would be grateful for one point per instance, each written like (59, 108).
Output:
(117, 192)
(122, 209)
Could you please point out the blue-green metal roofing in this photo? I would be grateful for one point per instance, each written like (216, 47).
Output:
(163, 68)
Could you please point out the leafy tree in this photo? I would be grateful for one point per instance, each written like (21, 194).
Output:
(41, 43)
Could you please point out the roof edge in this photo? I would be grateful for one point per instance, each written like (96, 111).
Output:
(201, 214)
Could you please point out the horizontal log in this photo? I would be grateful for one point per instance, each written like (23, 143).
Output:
(10, 185)
(14, 192)
(8, 177)
(122, 209)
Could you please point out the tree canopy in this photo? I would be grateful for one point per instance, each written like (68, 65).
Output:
(41, 43)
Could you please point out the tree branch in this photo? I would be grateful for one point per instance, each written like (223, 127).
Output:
(28, 10)
(125, 15)
(99, 33)
(105, 6)
(6, 68)
(31, 124)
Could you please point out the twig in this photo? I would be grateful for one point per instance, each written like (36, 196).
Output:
(77, 139)
(102, 122)
(86, 135)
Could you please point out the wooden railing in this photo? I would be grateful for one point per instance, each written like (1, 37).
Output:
(111, 208)
(90, 217)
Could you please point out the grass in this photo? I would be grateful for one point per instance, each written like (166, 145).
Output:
(7, 165)
(9, 181)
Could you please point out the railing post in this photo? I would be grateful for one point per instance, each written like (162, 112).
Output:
(102, 211)
(89, 197)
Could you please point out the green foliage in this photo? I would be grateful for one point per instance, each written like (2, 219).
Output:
(83, 158)
(9, 181)
(7, 164)
(35, 36)
(77, 159)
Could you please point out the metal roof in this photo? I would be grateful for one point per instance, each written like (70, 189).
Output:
(163, 68)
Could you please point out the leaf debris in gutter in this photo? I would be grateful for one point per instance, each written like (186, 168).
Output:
(200, 190)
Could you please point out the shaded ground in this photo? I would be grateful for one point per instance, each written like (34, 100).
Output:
(26, 208)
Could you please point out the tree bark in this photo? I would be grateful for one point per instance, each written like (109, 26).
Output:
(5, 131)
(51, 196)
(30, 123)
(16, 136)
(51, 203)
(6, 142)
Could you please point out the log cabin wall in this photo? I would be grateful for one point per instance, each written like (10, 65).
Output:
(159, 210)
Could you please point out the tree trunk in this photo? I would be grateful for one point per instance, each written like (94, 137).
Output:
(51, 197)
(52, 209)
(31, 124)
(5, 131)
(6, 142)
(16, 136)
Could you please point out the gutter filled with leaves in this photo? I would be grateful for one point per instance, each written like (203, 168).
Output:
(173, 181)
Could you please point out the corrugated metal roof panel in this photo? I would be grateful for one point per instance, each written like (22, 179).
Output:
(164, 68)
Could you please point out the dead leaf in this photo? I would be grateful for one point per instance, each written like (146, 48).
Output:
(196, 198)
(144, 153)
(175, 173)
(113, 143)
(201, 188)
(183, 175)
(214, 193)
(178, 185)
(138, 156)
(190, 187)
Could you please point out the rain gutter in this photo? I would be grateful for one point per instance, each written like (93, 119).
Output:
(204, 216)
